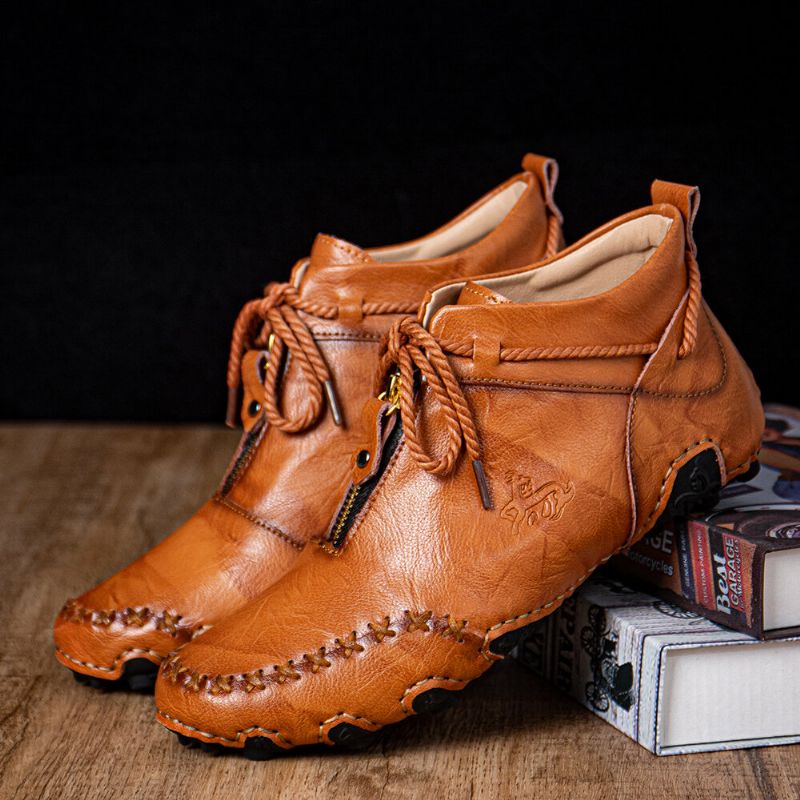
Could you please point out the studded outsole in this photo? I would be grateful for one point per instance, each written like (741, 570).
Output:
(258, 748)
(138, 675)
(695, 489)
(344, 736)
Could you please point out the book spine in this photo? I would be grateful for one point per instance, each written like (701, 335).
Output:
(594, 655)
(709, 570)
(648, 717)
(684, 557)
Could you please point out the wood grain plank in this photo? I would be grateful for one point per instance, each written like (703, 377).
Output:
(77, 502)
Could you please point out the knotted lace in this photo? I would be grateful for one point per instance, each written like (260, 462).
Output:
(274, 319)
(409, 346)
(274, 322)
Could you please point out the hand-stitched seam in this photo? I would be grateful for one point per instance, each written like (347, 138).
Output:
(120, 658)
(438, 678)
(575, 585)
(447, 626)
(630, 424)
(631, 468)
(523, 384)
(555, 601)
(488, 296)
(243, 733)
(236, 508)
(711, 390)
(734, 471)
(131, 617)
(345, 336)
(670, 469)
(356, 524)
(704, 392)
(349, 249)
(429, 679)
(345, 715)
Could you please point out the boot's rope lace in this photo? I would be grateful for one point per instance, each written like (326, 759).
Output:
(276, 317)
(409, 346)
(692, 305)
(554, 240)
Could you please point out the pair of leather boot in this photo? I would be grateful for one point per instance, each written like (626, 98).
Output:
(442, 440)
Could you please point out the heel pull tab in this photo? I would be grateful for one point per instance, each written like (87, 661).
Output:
(546, 171)
(687, 200)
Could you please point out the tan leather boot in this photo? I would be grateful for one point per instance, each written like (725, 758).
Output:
(320, 335)
(592, 394)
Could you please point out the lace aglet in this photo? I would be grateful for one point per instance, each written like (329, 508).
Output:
(233, 405)
(483, 484)
(336, 412)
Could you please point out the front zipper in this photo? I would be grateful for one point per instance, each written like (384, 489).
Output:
(343, 517)
(253, 436)
(251, 441)
(358, 494)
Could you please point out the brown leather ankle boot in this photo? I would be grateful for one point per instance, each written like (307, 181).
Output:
(306, 355)
(535, 423)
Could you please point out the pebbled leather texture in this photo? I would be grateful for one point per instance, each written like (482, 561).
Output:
(579, 451)
(283, 488)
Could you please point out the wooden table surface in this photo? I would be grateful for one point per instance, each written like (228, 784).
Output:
(80, 501)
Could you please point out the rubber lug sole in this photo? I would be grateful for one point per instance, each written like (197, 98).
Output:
(345, 736)
(435, 700)
(751, 474)
(696, 489)
(351, 737)
(257, 748)
(138, 675)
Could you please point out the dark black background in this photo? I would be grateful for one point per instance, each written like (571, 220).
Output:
(163, 162)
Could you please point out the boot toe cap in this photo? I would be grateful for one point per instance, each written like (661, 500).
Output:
(93, 638)
(335, 695)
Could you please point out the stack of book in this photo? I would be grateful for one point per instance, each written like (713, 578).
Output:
(690, 640)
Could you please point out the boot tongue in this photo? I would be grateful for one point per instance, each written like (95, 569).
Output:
(328, 251)
(473, 294)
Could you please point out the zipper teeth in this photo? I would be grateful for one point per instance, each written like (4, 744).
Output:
(233, 475)
(239, 461)
(344, 514)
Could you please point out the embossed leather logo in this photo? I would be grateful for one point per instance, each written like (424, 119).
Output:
(529, 504)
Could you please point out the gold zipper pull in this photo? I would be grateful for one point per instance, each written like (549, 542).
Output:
(392, 392)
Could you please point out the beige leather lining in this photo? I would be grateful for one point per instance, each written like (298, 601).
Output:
(600, 265)
(460, 234)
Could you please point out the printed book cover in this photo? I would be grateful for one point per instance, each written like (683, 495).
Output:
(737, 564)
(669, 679)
